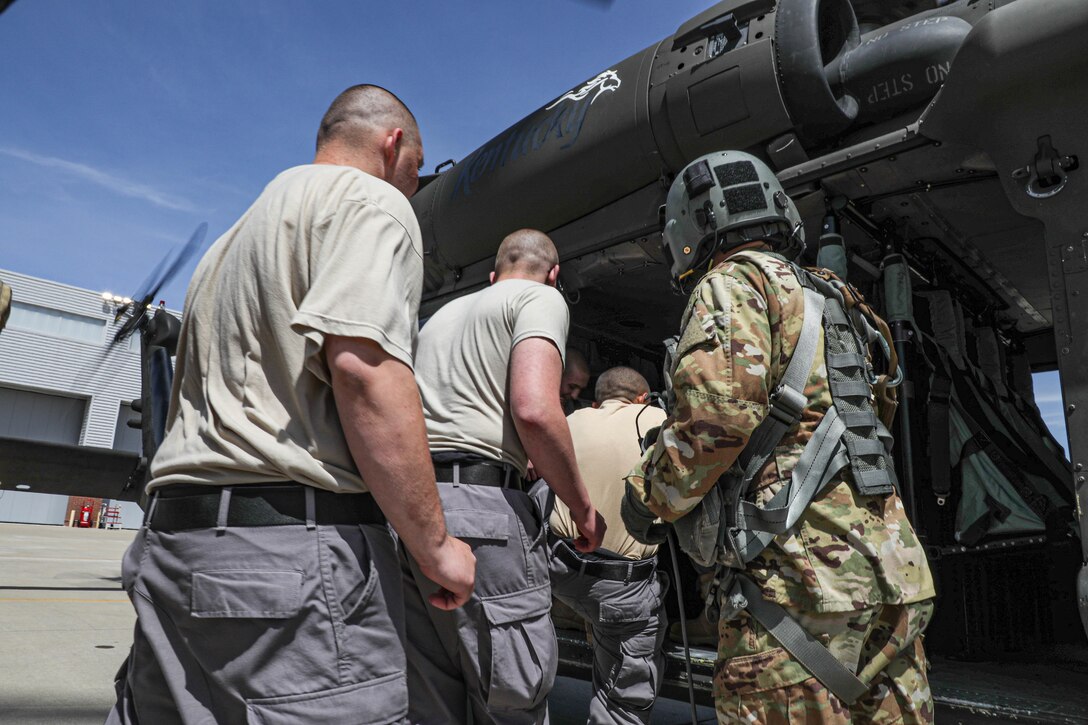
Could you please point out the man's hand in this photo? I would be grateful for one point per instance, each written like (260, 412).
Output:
(454, 571)
(641, 523)
(591, 528)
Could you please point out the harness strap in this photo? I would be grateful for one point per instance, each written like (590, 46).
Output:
(787, 401)
(852, 380)
(850, 388)
(845, 360)
(862, 419)
(816, 466)
(809, 651)
(844, 435)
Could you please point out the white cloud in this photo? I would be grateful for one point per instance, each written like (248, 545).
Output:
(124, 187)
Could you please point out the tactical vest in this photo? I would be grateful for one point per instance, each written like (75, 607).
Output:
(727, 530)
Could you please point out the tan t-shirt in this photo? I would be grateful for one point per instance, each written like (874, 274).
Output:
(607, 445)
(325, 250)
(463, 361)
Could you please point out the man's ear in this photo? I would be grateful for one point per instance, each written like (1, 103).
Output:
(553, 275)
(491, 278)
(391, 149)
(595, 404)
(642, 398)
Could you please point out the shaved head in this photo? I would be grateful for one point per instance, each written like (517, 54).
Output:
(620, 384)
(370, 129)
(576, 361)
(526, 252)
(362, 110)
(575, 375)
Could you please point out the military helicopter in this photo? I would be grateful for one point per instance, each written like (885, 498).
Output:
(104, 473)
(933, 149)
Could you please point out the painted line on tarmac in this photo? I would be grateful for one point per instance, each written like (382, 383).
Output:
(55, 558)
(25, 600)
(40, 588)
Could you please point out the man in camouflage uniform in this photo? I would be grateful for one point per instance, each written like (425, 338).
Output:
(851, 571)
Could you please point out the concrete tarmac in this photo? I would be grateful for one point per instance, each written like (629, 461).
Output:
(66, 626)
(65, 623)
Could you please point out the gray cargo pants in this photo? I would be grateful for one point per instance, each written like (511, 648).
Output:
(265, 625)
(495, 657)
(628, 624)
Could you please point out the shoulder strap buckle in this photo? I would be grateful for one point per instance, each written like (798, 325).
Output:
(787, 404)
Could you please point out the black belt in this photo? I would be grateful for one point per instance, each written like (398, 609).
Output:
(501, 475)
(180, 507)
(617, 570)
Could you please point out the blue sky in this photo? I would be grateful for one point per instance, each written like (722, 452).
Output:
(125, 123)
(1048, 396)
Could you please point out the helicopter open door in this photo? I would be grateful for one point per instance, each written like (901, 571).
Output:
(1018, 91)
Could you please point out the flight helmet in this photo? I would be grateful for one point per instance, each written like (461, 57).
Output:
(722, 200)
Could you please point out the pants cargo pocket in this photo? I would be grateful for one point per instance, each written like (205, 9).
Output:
(378, 701)
(246, 594)
(771, 687)
(524, 654)
(618, 614)
(632, 681)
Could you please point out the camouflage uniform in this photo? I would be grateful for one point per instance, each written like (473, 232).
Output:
(852, 571)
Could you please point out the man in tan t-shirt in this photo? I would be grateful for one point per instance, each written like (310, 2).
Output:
(616, 589)
(265, 579)
(488, 366)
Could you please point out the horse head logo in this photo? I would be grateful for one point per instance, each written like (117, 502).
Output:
(607, 81)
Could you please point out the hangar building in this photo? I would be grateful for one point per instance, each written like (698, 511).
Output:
(62, 381)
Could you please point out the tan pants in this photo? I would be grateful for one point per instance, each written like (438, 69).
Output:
(755, 680)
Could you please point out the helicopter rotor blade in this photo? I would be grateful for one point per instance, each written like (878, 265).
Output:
(164, 271)
(156, 274)
(184, 255)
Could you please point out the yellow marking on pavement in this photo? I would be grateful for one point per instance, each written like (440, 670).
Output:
(60, 599)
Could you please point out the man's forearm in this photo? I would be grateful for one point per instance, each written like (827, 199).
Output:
(535, 371)
(548, 443)
(378, 403)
